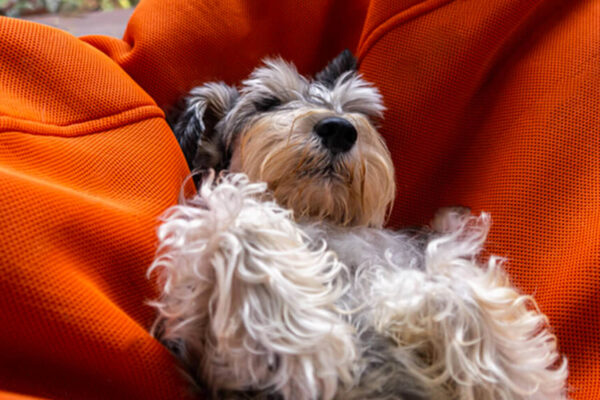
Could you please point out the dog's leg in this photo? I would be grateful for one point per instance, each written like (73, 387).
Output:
(459, 325)
(249, 299)
(450, 219)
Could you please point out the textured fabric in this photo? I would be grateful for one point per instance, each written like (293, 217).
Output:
(87, 163)
(494, 105)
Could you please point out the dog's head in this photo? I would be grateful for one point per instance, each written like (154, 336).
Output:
(312, 141)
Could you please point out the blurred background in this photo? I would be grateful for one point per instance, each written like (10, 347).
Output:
(79, 17)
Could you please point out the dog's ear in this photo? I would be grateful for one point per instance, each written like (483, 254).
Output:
(344, 62)
(195, 125)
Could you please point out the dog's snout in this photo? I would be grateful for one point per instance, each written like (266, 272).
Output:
(337, 134)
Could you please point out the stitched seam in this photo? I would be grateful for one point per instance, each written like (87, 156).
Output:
(395, 21)
(154, 112)
(81, 121)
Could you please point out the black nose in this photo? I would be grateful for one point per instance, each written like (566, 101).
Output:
(337, 134)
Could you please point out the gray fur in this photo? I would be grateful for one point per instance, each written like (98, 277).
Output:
(195, 128)
(343, 63)
(216, 113)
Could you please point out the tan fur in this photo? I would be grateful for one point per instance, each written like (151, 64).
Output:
(282, 150)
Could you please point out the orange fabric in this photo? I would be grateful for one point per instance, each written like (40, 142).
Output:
(87, 163)
(491, 104)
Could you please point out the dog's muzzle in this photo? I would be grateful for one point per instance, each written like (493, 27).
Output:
(337, 134)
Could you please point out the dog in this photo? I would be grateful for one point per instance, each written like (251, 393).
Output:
(278, 280)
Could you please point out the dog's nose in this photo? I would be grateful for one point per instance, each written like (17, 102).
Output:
(337, 134)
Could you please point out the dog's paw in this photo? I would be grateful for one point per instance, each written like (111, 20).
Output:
(248, 298)
(450, 219)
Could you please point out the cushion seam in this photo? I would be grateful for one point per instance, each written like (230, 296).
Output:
(146, 111)
(396, 20)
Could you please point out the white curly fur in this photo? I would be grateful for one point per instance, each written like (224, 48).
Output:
(249, 322)
(260, 304)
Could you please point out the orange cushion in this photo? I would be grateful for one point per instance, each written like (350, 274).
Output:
(490, 104)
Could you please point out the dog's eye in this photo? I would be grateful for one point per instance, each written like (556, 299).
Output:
(267, 103)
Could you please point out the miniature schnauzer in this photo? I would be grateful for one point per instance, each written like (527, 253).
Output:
(279, 281)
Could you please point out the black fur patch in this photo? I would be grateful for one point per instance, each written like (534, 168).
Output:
(267, 104)
(195, 126)
(188, 130)
(344, 62)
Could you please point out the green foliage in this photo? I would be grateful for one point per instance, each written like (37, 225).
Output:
(17, 8)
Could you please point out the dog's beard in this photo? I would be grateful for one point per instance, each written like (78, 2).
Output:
(353, 188)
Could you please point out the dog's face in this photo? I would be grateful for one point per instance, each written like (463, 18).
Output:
(312, 141)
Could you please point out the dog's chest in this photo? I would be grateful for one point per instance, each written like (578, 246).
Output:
(367, 248)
